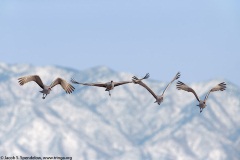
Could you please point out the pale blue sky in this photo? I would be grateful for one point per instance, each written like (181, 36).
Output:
(199, 38)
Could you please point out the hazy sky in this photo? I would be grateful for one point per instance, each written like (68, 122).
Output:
(199, 38)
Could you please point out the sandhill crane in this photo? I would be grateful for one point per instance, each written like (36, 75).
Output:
(109, 85)
(159, 99)
(202, 103)
(46, 89)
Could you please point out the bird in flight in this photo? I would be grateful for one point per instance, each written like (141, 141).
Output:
(202, 103)
(46, 89)
(159, 98)
(108, 85)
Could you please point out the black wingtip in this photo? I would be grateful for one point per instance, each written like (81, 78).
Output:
(146, 76)
(73, 80)
(20, 81)
(178, 75)
(180, 83)
(223, 85)
(134, 77)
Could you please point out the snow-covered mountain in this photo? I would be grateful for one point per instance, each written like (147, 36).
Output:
(90, 125)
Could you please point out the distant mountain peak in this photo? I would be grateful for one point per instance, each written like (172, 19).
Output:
(101, 68)
(88, 124)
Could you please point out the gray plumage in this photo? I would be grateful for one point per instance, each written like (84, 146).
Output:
(108, 85)
(46, 89)
(183, 86)
(159, 99)
(202, 103)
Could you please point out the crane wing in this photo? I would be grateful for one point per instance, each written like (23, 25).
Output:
(138, 81)
(121, 83)
(175, 78)
(89, 84)
(182, 86)
(66, 86)
(219, 87)
(26, 79)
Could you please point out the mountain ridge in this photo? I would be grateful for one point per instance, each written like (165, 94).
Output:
(89, 124)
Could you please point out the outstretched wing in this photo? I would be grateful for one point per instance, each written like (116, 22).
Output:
(66, 86)
(121, 83)
(219, 87)
(89, 84)
(146, 76)
(26, 79)
(175, 78)
(182, 86)
(138, 81)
